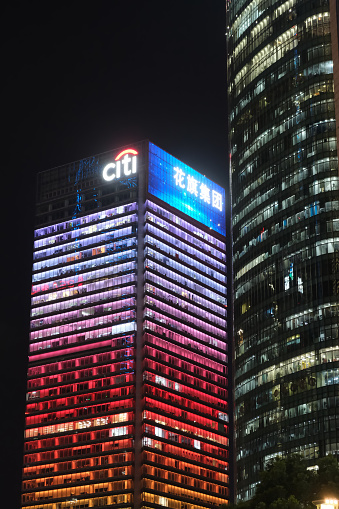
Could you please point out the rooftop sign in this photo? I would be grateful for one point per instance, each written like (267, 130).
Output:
(187, 190)
(125, 165)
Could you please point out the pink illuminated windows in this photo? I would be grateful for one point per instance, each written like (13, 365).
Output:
(77, 280)
(186, 347)
(83, 288)
(83, 380)
(189, 290)
(182, 328)
(78, 339)
(188, 309)
(84, 311)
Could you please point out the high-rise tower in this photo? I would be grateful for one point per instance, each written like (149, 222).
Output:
(282, 118)
(127, 379)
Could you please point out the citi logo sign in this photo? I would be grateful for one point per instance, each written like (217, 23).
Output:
(125, 165)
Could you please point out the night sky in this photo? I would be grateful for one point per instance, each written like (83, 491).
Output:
(80, 78)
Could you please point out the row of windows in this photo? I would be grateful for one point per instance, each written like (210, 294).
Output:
(155, 257)
(73, 269)
(199, 234)
(304, 253)
(191, 258)
(110, 295)
(76, 491)
(187, 315)
(72, 389)
(122, 342)
(188, 289)
(74, 248)
(50, 469)
(280, 415)
(294, 176)
(183, 389)
(77, 280)
(80, 477)
(88, 410)
(176, 491)
(86, 324)
(292, 125)
(316, 75)
(284, 223)
(316, 26)
(186, 479)
(184, 329)
(76, 223)
(264, 59)
(67, 377)
(186, 348)
(81, 425)
(90, 203)
(51, 380)
(82, 288)
(79, 338)
(78, 451)
(190, 405)
(99, 309)
(57, 241)
(298, 384)
(189, 243)
(84, 399)
(174, 503)
(182, 294)
(170, 447)
(174, 463)
(292, 365)
(249, 15)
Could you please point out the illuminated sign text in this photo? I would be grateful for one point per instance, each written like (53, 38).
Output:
(198, 189)
(182, 187)
(125, 165)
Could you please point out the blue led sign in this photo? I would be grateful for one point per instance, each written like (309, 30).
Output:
(185, 189)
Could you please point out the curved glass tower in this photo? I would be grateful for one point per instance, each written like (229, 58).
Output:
(285, 230)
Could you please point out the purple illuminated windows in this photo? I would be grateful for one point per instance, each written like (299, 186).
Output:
(74, 224)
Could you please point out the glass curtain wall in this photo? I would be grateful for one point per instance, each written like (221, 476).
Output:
(286, 232)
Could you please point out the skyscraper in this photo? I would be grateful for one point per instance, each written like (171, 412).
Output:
(283, 143)
(127, 379)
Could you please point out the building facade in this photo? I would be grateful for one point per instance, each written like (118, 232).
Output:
(128, 364)
(282, 72)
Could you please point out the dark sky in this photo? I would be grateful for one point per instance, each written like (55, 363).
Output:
(80, 78)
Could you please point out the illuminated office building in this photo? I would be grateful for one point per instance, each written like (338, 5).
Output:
(127, 380)
(282, 72)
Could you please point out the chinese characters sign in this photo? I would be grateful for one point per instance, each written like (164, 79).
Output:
(199, 190)
(187, 190)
